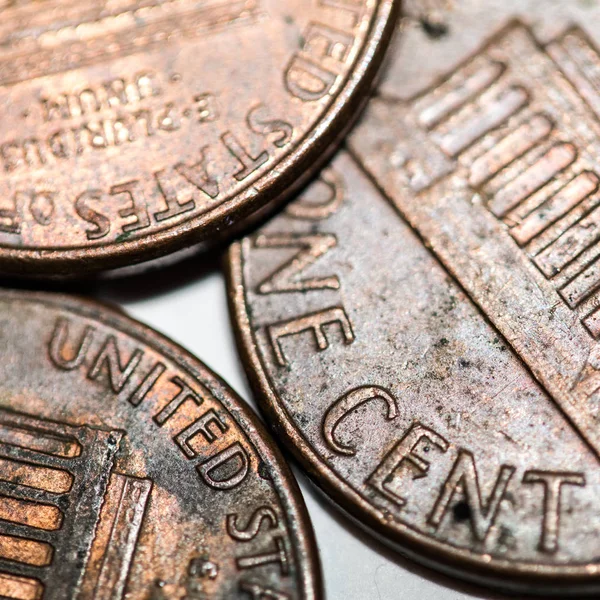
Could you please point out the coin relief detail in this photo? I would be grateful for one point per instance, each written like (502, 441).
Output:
(128, 470)
(407, 405)
(126, 122)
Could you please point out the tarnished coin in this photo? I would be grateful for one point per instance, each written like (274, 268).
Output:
(404, 404)
(129, 470)
(130, 129)
(495, 162)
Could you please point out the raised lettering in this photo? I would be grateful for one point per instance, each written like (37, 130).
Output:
(88, 101)
(10, 218)
(348, 403)
(101, 223)
(552, 483)
(11, 155)
(168, 119)
(147, 384)
(55, 108)
(206, 108)
(308, 81)
(78, 352)
(41, 206)
(276, 556)
(58, 143)
(209, 425)
(355, 7)
(405, 453)
(212, 470)
(136, 207)
(197, 174)
(109, 357)
(324, 41)
(169, 191)
(279, 130)
(248, 162)
(464, 476)
(286, 278)
(314, 322)
(93, 134)
(185, 393)
(251, 530)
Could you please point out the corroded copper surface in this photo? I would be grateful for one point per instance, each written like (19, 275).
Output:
(128, 470)
(134, 128)
(422, 324)
(405, 405)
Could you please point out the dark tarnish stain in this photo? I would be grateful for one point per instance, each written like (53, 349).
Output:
(263, 471)
(435, 376)
(303, 419)
(123, 237)
(434, 29)
(461, 512)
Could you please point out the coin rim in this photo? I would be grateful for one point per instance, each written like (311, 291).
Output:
(274, 187)
(530, 577)
(299, 528)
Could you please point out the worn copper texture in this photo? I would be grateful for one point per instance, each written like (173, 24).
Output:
(421, 326)
(129, 470)
(131, 129)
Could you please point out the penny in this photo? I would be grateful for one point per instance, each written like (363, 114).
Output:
(496, 167)
(129, 470)
(402, 401)
(133, 129)
(484, 139)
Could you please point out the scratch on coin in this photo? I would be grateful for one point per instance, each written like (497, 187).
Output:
(510, 439)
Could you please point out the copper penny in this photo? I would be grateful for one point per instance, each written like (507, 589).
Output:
(129, 470)
(408, 408)
(131, 129)
(421, 326)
